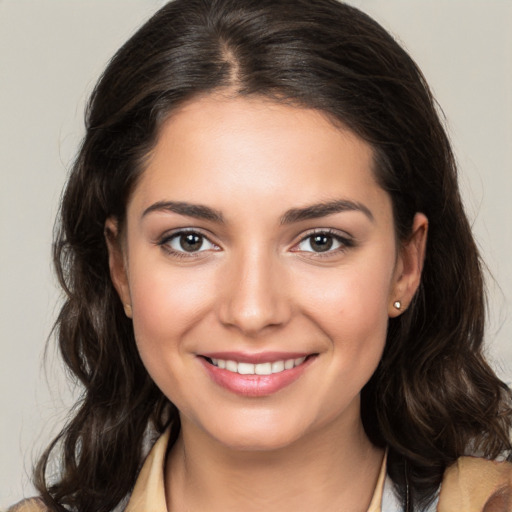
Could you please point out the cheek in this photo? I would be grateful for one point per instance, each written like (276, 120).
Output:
(351, 308)
(167, 306)
(350, 295)
(167, 303)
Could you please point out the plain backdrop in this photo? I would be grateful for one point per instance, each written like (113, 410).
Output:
(52, 52)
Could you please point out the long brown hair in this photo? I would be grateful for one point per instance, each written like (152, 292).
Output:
(433, 396)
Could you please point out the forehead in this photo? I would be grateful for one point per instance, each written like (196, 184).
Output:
(231, 151)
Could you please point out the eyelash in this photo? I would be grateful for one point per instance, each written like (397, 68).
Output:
(164, 243)
(344, 241)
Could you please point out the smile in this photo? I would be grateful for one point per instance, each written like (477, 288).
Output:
(267, 368)
(256, 375)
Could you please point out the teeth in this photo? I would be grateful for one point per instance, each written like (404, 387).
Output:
(232, 366)
(277, 366)
(289, 364)
(258, 369)
(245, 368)
(263, 369)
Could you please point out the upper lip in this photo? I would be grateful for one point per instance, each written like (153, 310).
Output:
(255, 358)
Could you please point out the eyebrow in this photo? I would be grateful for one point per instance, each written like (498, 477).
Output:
(313, 211)
(316, 211)
(190, 210)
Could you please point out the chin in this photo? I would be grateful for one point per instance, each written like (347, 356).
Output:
(264, 432)
(258, 441)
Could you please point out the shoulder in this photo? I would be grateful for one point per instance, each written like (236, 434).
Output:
(29, 505)
(474, 484)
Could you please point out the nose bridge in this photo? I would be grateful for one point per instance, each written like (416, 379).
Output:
(254, 296)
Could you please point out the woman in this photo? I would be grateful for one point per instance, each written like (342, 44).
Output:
(244, 250)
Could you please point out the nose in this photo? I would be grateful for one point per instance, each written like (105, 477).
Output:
(254, 294)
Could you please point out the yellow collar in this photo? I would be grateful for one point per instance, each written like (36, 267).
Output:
(149, 492)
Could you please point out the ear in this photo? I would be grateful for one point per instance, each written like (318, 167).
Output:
(409, 266)
(117, 264)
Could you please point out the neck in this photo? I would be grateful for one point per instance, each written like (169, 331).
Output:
(329, 470)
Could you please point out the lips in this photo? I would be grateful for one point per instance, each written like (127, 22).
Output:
(255, 375)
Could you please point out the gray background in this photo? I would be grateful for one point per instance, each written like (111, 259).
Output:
(51, 53)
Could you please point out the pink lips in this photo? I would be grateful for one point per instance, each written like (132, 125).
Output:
(255, 385)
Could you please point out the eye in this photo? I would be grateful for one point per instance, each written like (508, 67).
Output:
(323, 241)
(188, 242)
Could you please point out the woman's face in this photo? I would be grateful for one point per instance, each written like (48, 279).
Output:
(261, 266)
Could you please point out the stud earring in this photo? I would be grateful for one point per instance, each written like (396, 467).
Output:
(128, 310)
(397, 305)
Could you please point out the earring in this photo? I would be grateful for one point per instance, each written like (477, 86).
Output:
(397, 304)
(128, 310)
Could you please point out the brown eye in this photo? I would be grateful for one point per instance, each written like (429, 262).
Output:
(190, 242)
(323, 242)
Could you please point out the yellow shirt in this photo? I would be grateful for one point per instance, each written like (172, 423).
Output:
(149, 491)
(470, 485)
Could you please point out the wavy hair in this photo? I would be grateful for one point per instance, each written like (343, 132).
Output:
(432, 398)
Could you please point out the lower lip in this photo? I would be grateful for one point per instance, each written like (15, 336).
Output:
(255, 385)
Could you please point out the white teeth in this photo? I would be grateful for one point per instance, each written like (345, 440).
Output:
(257, 369)
(277, 366)
(263, 369)
(245, 369)
(232, 366)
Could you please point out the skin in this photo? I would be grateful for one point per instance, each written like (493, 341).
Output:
(255, 284)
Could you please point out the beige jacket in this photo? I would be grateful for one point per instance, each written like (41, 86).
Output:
(469, 485)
